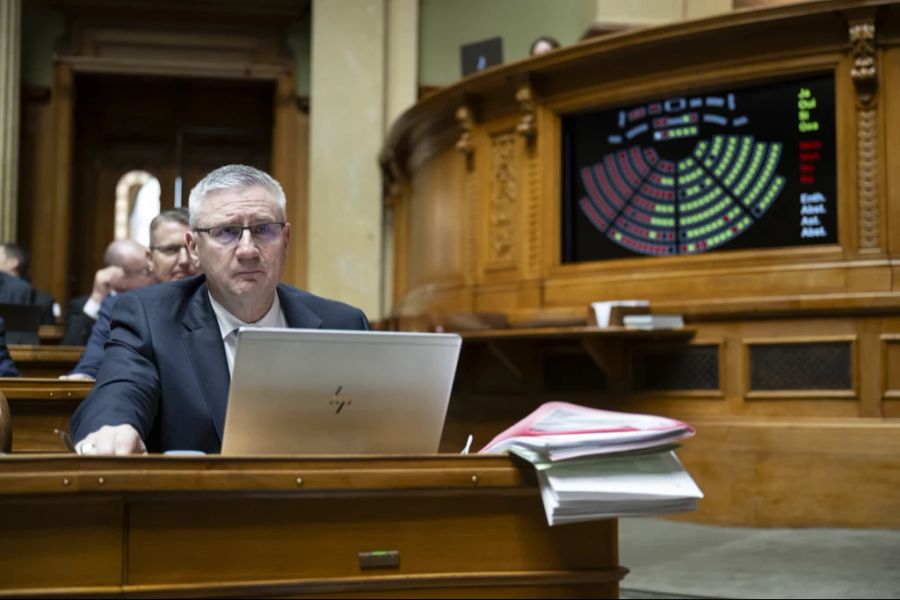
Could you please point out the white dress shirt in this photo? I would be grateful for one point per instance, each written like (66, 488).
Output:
(229, 324)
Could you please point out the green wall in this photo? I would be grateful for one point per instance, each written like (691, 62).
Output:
(445, 25)
(41, 28)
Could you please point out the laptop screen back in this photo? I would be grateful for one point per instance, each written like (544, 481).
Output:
(300, 391)
(478, 56)
(22, 323)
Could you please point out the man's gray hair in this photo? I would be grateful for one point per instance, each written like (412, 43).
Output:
(233, 177)
(172, 215)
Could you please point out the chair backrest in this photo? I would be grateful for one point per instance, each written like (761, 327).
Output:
(5, 426)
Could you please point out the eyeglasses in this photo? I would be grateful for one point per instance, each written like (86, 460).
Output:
(227, 235)
(171, 250)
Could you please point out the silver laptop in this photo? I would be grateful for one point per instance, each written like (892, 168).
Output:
(313, 391)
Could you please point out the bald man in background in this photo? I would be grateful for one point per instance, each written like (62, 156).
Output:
(126, 266)
(169, 260)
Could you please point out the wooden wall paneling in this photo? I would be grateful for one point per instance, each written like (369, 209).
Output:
(236, 42)
(865, 75)
(469, 233)
(550, 147)
(435, 212)
(290, 166)
(844, 291)
(847, 130)
(36, 179)
(785, 472)
(566, 84)
(891, 103)
(889, 378)
(510, 183)
(500, 180)
(530, 167)
(805, 402)
(58, 240)
(869, 366)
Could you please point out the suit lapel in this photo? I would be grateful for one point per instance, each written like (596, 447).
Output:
(203, 342)
(295, 312)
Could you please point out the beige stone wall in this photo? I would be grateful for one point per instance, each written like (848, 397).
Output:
(363, 75)
(10, 49)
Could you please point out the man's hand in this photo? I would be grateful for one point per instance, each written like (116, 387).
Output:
(104, 281)
(112, 440)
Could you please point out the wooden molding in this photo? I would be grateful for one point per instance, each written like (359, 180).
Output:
(502, 206)
(527, 126)
(864, 75)
(865, 68)
(464, 144)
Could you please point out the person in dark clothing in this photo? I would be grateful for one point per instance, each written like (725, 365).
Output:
(14, 261)
(7, 366)
(127, 266)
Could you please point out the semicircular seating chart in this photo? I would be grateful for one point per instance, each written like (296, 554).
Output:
(654, 206)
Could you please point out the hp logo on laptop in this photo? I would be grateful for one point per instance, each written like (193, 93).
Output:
(340, 401)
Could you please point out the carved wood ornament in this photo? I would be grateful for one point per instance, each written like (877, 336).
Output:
(864, 74)
(527, 126)
(464, 143)
(502, 209)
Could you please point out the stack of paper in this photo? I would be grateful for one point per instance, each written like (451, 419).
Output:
(651, 322)
(611, 312)
(596, 464)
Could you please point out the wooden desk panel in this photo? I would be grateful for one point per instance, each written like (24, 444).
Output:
(51, 334)
(40, 405)
(174, 526)
(45, 361)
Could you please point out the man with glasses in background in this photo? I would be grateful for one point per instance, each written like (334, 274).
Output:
(163, 384)
(169, 260)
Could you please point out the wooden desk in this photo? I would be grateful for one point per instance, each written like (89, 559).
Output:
(45, 361)
(38, 406)
(504, 374)
(215, 526)
(604, 345)
(51, 334)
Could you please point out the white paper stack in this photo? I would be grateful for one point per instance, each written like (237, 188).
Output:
(605, 488)
(603, 310)
(596, 464)
(653, 322)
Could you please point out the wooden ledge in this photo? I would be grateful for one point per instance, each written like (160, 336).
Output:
(44, 388)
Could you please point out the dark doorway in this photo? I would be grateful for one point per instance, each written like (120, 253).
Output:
(175, 129)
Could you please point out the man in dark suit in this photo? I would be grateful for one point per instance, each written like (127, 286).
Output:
(14, 261)
(163, 384)
(7, 366)
(14, 290)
